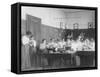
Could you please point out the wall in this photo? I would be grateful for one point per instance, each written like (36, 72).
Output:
(53, 16)
(23, 27)
(82, 18)
(47, 32)
(48, 15)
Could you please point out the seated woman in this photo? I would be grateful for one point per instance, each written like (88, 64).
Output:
(61, 45)
(43, 49)
(51, 46)
(43, 46)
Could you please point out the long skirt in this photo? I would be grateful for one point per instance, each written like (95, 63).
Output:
(32, 52)
(25, 57)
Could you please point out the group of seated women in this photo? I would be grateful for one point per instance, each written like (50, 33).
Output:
(68, 46)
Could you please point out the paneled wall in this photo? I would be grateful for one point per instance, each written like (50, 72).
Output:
(43, 31)
(48, 32)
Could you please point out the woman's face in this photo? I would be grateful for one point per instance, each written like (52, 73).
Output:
(44, 41)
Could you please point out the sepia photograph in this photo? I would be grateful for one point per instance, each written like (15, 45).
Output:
(57, 38)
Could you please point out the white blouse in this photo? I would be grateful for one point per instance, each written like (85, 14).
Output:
(25, 40)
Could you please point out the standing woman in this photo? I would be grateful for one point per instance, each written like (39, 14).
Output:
(32, 52)
(25, 50)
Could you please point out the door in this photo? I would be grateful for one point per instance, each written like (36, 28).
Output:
(34, 26)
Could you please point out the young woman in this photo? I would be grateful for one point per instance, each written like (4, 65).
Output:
(25, 50)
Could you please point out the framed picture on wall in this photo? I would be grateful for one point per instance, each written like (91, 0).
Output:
(40, 43)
